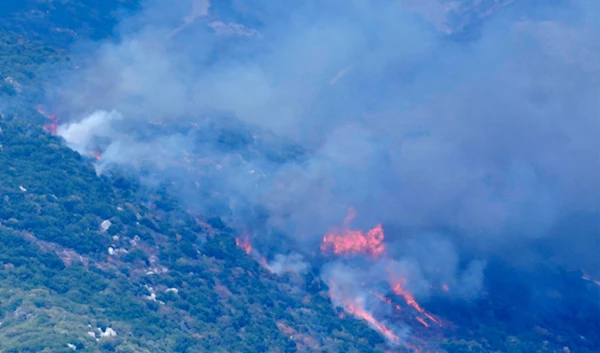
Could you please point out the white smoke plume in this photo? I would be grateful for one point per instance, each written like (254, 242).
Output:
(80, 135)
(293, 263)
(475, 121)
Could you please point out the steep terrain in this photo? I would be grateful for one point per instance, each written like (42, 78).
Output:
(81, 255)
(88, 264)
(122, 262)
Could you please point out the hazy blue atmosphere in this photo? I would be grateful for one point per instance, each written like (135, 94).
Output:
(492, 140)
(442, 156)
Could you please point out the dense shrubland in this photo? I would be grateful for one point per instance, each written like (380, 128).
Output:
(176, 283)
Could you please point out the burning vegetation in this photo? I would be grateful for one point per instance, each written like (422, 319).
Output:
(355, 298)
(355, 308)
(52, 126)
(347, 241)
(52, 129)
(410, 300)
(244, 243)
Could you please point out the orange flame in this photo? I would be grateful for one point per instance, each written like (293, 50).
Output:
(353, 306)
(52, 126)
(410, 300)
(420, 319)
(97, 155)
(386, 300)
(382, 298)
(346, 241)
(341, 241)
(244, 243)
(357, 310)
(445, 287)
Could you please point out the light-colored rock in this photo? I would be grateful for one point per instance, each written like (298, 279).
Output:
(134, 241)
(72, 346)
(105, 225)
(109, 332)
(157, 270)
(22, 188)
(152, 295)
(111, 251)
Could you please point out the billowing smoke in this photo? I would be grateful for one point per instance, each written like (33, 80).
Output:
(465, 128)
(349, 290)
(293, 263)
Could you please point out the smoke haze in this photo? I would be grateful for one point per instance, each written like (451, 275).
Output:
(462, 146)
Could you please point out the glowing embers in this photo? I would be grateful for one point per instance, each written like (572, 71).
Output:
(347, 241)
(356, 309)
(354, 291)
(244, 243)
(97, 154)
(386, 300)
(52, 126)
(398, 289)
(355, 306)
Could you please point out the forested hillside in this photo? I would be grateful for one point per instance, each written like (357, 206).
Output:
(162, 280)
(156, 279)
(106, 263)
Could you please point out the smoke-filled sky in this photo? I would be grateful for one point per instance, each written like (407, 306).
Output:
(455, 124)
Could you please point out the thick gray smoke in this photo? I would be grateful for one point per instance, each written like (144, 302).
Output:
(292, 263)
(452, 123)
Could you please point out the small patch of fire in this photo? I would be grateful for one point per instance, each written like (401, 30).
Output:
(386, 300)
(52, 126)
(244, 243)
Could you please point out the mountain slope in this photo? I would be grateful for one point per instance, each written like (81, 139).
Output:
(109, 264)
(160, 279)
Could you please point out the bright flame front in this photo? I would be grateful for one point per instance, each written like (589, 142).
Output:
(346, 241)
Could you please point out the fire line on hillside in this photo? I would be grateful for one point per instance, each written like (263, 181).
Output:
(348, 242)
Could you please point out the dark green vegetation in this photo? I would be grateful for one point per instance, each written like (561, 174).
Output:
(61, 22)
(57, 276)
(560, 311)
(174, 282)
